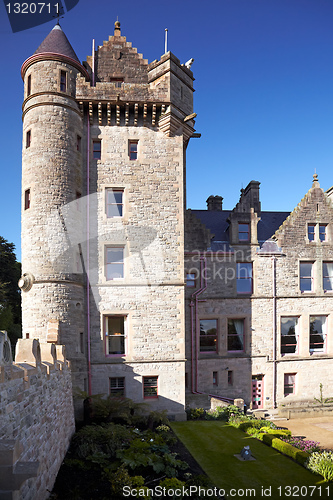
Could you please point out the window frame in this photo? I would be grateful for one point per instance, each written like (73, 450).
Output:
(240, 278)
(29, 85)
(190, 280)
(297, 327)
(28, 139)
(106, 318)
(305, 277)
(97, 153)
(208, 351)
(133, 142)
(312, 233)
(112, 263)
(247, 239)
(150, 386)
(27, 199)
(63, 81)
(118, 388)
(322, 349)
(327, 277)
(324, 233)
(287, 384)
(114, 190)
(236, 334)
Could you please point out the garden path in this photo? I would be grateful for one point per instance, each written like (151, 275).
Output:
(314, 428)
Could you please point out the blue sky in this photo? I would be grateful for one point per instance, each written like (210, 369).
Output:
(264, 88)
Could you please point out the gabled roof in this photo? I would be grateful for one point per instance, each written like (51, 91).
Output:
(57, 42)
(216, 222)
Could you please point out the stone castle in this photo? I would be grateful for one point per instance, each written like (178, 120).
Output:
(167, 306)
(152, 301)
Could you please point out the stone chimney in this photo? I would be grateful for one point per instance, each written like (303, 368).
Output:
(214, 203)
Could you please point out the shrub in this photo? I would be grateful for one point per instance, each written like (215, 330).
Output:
(252, 431)
(302, 444)
(289, 450)
(97, 439)
(258, 424)
(322, 463)
(195, 413)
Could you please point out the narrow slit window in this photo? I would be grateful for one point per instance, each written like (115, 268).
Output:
(27, 199)
(97, 149)
(63, 81)
(28, 139)
(133, 150)
(29, 85)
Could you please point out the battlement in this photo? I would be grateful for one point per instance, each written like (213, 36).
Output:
(37, 419)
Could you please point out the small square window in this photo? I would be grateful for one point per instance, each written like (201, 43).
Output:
(28, 139)
(26, 199)
(311, 232)
(29, 85)
(97, 149)
(115, 335)
(208, 335)
(230, 377)
(117, 386)
(190, 280)
(289, 383)
(63, 81)
(244, 277)
(114, 202)
(235, 335)
(243, 232)
(78, 143)
(306, 276)
(133, 150)
(322, 232)
(150, 387)
(114, 262)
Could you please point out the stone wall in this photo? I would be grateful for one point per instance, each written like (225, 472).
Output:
(37, 420)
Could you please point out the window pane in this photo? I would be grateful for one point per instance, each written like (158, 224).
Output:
(208, 335)
(306, 276)
(117, 386)
(328, 275)
(322, 232)
(114, 203)
(150, 387)
(235, 334)
(243, 232)
(289, 335)
(244, 277)
(317, 333)
(311, 232)
(115, 333)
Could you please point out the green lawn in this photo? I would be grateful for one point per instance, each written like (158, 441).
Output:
(213, 445)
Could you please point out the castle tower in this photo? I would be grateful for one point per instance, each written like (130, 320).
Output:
(52, 292)
(115, 139)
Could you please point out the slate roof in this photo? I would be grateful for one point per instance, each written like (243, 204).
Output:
(57, 42)
(216, 222)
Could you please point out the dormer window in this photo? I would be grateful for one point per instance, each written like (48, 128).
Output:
(243, 232)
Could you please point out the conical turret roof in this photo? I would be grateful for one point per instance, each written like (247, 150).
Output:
(57, 42)
(55, 47)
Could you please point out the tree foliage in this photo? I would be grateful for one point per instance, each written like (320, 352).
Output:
(10, 298)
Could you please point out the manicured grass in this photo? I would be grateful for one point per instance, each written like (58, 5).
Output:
(213, 445)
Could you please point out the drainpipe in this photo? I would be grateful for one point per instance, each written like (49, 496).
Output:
(88, 256)
(274, 331)
(194, 303)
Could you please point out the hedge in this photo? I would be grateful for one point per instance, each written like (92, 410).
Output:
(289, 450)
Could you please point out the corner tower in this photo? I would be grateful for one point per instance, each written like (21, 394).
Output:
(52, 290)
(120, 145)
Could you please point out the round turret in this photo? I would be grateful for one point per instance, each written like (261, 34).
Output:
(52, 180)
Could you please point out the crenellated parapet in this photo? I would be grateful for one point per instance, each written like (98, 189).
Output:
(37, 419)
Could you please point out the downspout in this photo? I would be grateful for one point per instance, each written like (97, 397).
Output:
(203, 283)
(88, 256)
(274, 332)
(194, 357)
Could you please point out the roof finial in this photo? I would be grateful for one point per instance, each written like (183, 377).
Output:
(315, 179)
(117, 28)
